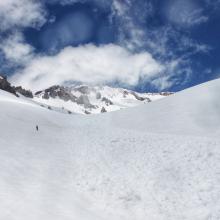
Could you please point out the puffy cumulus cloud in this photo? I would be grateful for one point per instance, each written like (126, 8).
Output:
(88, 64)
(15, 15)
(184, 12)
(21, 13)
(16, 50)
(91, 64)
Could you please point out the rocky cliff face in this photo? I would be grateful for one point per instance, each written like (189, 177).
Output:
(57, 92)
(6, 86)
(24, 92)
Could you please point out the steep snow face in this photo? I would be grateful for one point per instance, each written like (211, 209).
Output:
(93, 100)
(158, 161)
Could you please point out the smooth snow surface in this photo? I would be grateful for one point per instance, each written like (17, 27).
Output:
(159, 161)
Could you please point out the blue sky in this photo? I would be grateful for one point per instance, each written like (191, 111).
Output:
(146, 45)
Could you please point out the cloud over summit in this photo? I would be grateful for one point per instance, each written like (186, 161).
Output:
(88, 64)
(49, 42)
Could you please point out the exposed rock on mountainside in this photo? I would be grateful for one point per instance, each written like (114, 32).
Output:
(107, 101)
(24, 92)
(87, 112)
(83, 99)
(57, 92)
(6, 86)
(139, 97)
(83, 89)
(159, 161)
(103, 110)
(86, 99)
(166, 93)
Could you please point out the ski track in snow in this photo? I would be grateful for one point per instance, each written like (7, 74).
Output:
(110, 167)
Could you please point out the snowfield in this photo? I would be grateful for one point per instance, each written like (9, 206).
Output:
(159, 161)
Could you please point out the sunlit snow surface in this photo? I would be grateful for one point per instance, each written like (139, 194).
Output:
(159, 161)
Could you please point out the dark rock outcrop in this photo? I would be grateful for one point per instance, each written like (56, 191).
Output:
(103, 110)
(87, 112)
(6, 86)
(107, 101)
(58, 91)
(166, 93)
(69, 112)
(139, 97)
(125, 93)
(38, 93)
(24, 92)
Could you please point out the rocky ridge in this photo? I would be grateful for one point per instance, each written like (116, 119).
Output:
(83, 99)
(86, 99)
(6, 86)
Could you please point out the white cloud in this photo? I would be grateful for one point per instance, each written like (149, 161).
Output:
(15, 15)
(16, 50)
(162, 83)
(88, 64)
(91, 64)
(122, 10)
(21, 13)
(184, 12)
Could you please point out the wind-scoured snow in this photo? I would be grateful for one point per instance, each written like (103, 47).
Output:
(159, 161)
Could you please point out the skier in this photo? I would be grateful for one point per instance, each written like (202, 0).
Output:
(37, 127)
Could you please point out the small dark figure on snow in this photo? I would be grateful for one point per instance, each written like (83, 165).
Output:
(37, 127)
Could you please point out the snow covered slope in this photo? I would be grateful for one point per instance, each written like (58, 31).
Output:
(159, 161)
(85, 99)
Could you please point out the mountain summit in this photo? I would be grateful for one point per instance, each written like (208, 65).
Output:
(83, 99)
(86, 99)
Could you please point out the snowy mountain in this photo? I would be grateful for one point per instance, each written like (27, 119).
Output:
(85, 99)
(158, 161)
